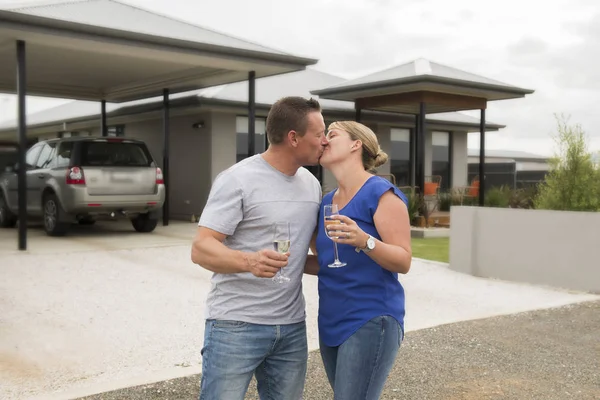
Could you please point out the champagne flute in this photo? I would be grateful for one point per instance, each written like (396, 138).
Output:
(281, 244)
(330, 210)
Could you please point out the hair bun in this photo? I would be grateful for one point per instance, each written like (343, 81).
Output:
(380, 159)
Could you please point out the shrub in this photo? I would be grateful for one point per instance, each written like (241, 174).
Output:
(445, 200)
(522, 198)
(573, 182)
(498, 197)
(414, 205)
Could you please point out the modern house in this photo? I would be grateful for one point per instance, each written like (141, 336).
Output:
(209, 132)
(204, 114)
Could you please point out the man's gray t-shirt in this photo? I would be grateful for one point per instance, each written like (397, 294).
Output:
(244, 202)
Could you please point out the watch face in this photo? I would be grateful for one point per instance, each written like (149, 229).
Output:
(370, 244)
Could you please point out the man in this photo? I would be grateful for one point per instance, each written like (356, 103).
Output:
(255, 325)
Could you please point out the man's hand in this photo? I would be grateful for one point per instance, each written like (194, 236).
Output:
(265, 263)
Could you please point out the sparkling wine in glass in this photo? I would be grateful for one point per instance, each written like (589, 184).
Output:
(281, 244)
(329, 211)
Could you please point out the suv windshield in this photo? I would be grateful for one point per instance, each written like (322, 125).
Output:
(118, 154)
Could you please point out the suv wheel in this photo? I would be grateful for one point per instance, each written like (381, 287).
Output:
(52, 217)
(7, 218)
(143, 223)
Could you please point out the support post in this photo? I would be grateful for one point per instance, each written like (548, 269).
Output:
(450, 159)
(421, 149)
(165, 169)
(22, 128)
(412, 153)
(103, 127)
(482, 158)
(251, 113)
(358, 114)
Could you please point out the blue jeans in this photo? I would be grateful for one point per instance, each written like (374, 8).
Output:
(233, 351)
(358, 368)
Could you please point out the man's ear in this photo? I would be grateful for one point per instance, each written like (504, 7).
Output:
(293, 138)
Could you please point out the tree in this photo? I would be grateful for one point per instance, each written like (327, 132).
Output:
(573, 182)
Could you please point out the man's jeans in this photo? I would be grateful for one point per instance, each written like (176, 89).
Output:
(358, 368)
(233, 351)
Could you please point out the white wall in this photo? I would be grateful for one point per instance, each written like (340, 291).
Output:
(554, 248)
(223, 142)
(459, 159)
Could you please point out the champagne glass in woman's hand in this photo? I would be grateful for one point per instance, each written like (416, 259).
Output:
(329, 211)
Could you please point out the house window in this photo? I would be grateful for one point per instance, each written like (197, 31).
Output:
(400, 157)
(440, 147)
(115, 131)
(68, 134)
(260, 139)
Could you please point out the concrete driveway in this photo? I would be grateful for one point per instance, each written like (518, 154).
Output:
(106, 308)
(104, 235)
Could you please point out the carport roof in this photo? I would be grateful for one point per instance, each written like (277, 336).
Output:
(110, 50)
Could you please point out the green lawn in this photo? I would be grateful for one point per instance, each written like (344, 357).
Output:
(436, 249)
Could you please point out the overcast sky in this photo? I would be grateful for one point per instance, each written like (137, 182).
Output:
(552, 47)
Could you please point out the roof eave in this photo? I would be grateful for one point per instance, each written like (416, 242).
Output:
(372, 86)
(79, 29)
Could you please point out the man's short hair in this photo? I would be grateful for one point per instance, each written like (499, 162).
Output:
(289, 114)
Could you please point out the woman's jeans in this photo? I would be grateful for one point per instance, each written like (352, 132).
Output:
(358, 368)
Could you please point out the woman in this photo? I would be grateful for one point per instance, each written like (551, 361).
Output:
(361, 305)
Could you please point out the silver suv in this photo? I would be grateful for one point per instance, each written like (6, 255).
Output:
(80, 179)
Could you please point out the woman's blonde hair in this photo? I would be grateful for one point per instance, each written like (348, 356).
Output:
(372, 155)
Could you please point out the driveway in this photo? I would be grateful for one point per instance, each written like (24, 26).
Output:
(106, 308)
(104, 235)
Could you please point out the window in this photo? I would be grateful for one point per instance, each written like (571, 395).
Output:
(260, 139)
(440, 147)
(45, 157)
(63, 159)
(32, 155)
(114, 154)
(400, 157)
(115, 131)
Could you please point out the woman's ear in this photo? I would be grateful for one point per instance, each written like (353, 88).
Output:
(356, 145)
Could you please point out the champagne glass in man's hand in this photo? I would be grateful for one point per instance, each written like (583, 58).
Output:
(266, 263)
(281, 244)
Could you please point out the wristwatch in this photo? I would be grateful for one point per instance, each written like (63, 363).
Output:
(370, 245)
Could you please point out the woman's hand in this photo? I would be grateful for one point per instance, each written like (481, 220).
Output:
(347, 232)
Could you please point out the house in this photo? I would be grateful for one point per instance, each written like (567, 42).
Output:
(209, 132)
(515, 169)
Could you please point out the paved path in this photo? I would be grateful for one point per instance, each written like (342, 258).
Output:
(541, 355)
(86, 315)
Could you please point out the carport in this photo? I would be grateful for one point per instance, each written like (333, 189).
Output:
(107, 51)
